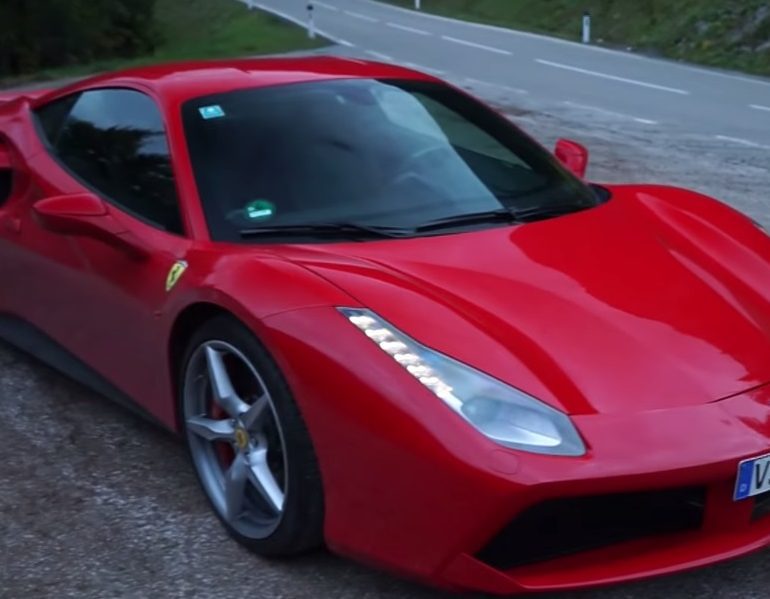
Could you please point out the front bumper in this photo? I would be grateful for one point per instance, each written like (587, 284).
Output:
(727, 532)
(412, 488)
(690, 455)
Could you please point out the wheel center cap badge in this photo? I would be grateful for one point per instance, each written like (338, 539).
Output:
(241, 438)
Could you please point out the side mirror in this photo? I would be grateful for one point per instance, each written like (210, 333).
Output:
(86, 215)
(572, 155)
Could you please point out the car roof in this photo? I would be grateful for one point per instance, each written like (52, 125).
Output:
(180, 81)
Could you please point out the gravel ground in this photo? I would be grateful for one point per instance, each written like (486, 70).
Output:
(97, 503)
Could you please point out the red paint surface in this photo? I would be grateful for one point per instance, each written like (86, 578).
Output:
(647, 319)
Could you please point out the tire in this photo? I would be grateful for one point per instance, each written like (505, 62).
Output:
(245, 434)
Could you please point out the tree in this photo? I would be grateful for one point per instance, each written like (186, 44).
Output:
(50, 33)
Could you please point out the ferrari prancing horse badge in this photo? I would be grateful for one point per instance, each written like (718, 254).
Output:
(176, 272)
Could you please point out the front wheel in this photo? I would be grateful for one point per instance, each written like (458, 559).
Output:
(247, 440)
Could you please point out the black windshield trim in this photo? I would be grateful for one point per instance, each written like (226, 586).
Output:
(326, 229)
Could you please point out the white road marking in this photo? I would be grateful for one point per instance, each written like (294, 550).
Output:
(556, 40)
(759, 107)
(380, 56)
(296, 21)
(358, 15)
(507, 88)
(567, 67)
(409, 29)
(420, 67)
(521, 119)
(456, 40)
(743, 142)
(610, 113)
(577, 46)
(327, 6)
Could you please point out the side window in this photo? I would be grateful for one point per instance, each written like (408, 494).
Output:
(51, 117)
(6, 184)
(6, 175)
(114, 140)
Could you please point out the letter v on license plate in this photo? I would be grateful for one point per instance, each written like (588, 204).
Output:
(753, 477)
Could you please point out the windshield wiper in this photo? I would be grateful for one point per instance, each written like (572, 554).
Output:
(550, 210)
(326, 229)
(502, 215)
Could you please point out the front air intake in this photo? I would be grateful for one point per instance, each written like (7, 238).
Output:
(561, 527)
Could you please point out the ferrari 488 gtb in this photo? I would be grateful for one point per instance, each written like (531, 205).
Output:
(386, 319)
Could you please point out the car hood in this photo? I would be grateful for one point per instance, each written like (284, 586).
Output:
(656, 299)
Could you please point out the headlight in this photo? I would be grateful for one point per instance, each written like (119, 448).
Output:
(502, 413)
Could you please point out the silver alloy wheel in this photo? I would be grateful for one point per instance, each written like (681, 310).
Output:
(235, 439)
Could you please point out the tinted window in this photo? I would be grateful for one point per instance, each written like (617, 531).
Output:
(114, 140)
(386, 153)
(6, 184)
(6, 174)
(52, 116)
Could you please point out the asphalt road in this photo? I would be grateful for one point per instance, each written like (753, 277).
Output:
(734, 109)
(645, 119)
(95, 503)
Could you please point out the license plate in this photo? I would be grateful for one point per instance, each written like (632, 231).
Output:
(753, 477)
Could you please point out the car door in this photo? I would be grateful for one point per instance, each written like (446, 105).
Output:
(96, 298)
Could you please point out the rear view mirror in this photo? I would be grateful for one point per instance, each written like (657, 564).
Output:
(572, 155)
(86, 215)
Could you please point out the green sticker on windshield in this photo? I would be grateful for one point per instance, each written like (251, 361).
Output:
(259, 210)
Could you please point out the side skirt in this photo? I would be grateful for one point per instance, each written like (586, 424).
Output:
(31, 340)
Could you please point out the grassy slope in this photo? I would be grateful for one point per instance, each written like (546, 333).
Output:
(219, 28)
(724, 33)
(206, 29)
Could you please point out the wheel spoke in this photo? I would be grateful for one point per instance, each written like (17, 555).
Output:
(227, 406)
(210, 429)
(235, 487)
(256, 413)
(222, 386)
(262, 478)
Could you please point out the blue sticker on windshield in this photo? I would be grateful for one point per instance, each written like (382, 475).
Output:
(212, 112)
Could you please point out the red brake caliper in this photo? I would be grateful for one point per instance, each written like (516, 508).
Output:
(223, 448)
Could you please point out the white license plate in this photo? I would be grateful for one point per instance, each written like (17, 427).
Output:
(753, 477)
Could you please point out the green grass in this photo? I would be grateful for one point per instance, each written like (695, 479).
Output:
(722, 33)
(223, 28)
(198, 29)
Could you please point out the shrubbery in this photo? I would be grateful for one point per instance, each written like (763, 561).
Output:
(38, 34)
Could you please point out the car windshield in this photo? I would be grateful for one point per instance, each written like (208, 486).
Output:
(362, 155)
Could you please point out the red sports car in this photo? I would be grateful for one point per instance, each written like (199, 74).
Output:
(386, 319)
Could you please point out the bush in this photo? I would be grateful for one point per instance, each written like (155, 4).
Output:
(38, 34)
